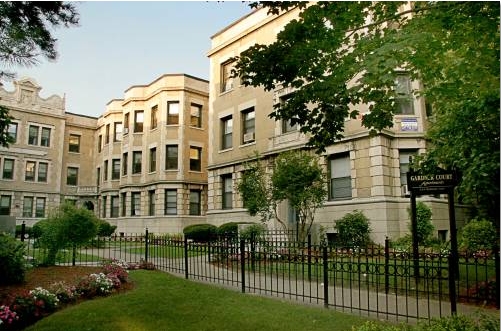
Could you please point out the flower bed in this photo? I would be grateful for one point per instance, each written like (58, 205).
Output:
(28, 306)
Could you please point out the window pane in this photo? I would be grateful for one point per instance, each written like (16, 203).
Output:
(74, 143)
(28, 207)
(136, 162)
(72, 176)
(30, 171)
(107, 134)
(195, 158)
(115, 171)
(340, 174)
(5, 204)
(170, 202)
(173, 112)
(105, 170)
(136, 204)
(153, 159)
(194, 202)
(45, 141)
(125, 161)
(42, 171)
(227, 132)
(248, 118)
(33, 135)
(404, 99)
(12, 132)
(8, 169)
(227, 192)
(196, 115)
(154, 111)
(40, 207)
(118, 131)
(138, 121)
(114, 206)
(151, 200)
(171, 158)
(226, 80)
(126, 124)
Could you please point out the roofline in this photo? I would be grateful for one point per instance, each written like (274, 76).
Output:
(167, 75)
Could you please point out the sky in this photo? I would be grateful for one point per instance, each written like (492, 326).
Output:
(123, 43)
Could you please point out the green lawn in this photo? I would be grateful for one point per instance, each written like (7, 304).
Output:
(164, 302)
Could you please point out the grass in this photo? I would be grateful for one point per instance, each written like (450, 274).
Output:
(163, 302)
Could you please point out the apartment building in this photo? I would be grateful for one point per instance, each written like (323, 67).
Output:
(151, 156)
(140, 164)
(365, 173)
(49, 160)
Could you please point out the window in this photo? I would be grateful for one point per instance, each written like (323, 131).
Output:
(105, 171)
(98, 179)
(151, 203)
(115, 169)
(40, 207)
(227, 191)
(226, 80)
(72, 176)
(286, 124)
(194, 202)
(125, 163)
(74, 143)
(33, 135)
(153, 159)
(103, 207)
(340, 177)
(107, 135)
(403, 99)
(172, 112)
(114, 206)
(404, 162)
(171, 157)
(124, 203)
(28, 207)
(99, 143)
(227, 132)
(117, 131)
(442, 235)
(8, 169)
(45, 141)
(138, 120)
(136, 162)
(12, 132)
(136, 204)
(5, 204)
(196, 115)
(29, 174)
(154, 115)
(195, 158)
(248, 125)
(42, 171)
(126, 124)
(170, 207)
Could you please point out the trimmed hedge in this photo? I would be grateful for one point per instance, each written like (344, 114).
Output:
(200, 232)
(12, 266)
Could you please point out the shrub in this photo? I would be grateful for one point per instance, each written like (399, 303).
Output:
(478, 234)
(200, 232)
(12, 266)
(353, 229)
(7, 316)
(95, 284)
(44, 299)
(64, 292)
(424, 225)
(33, 305)
(253, 232)
(105, 229)
(27, 230)
(230, 229)
(116, 268)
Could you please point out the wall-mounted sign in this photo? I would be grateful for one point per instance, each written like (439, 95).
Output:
(409, 124)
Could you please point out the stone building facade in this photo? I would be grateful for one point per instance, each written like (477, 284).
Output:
(365, 173)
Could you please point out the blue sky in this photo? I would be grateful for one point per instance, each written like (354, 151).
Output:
(119, 44)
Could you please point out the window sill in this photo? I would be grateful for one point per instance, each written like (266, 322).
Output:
(247, 144)
(225, 150)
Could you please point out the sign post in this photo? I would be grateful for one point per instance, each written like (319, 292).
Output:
(439, 182)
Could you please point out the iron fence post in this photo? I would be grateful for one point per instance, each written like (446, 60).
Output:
(185, 257)
(23, 230)
(309, 257)
(386, 265)
(242, 263)
(146, 246)
(496, 263)
(326, 276)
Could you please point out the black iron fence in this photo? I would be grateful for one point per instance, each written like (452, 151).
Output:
(373, 281)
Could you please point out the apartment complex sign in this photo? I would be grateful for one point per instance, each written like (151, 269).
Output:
(435, 183)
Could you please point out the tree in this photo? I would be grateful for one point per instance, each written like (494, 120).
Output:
(67, 226)
(25, 36)
(296, 177)
(338, 60)
(353, 229)
(424, 225)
